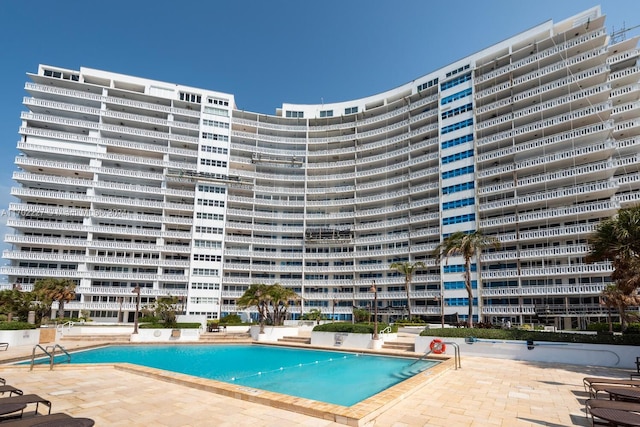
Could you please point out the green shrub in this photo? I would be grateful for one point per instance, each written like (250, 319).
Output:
(231, 319)
(186, 325)
(353, 328)
(522, 335)
(16, 326)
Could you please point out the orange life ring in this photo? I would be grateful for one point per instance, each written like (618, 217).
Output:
(437, 346)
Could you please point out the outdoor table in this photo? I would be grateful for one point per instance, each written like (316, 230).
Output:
(617, 417)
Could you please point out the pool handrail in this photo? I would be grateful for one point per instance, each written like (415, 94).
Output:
(50, 351)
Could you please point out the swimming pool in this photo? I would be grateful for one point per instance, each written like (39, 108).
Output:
(339, 378)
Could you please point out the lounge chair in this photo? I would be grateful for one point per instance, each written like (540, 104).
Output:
(10, 389)
(591, 382)
(3, 381)
(4, 346)
(597, 388)
(609, 404)
(616, 417)
(27, 399)
(61, 420)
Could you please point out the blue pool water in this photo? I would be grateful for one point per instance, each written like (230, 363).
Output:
(334, 377)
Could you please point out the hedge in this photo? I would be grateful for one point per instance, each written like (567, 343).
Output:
(189, 325)
(353, 328)
(522, 335)
(16, 326)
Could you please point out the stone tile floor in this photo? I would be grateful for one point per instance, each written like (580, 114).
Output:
(484, 392)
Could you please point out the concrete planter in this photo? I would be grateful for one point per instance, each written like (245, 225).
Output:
(166, 335)
(21, 337)
(272, 333)
(347, 340)
(613, 356)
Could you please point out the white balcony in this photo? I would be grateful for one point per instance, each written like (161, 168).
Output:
(138, 146)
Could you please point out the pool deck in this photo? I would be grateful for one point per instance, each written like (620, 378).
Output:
(483, 392)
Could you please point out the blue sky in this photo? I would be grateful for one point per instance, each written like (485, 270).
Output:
(263, 52)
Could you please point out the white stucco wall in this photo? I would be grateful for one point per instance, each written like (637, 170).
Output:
(615, 356)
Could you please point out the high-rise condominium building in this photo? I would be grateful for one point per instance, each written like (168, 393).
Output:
(124, 181)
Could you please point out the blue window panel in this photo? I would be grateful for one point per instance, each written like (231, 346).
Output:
(456, 141)
(459, 219)
(459, 95)
(456, 126)
(460, 285)
(457, 172)
(458, 268)
(458, 203)
(455, 82)
(457, 156)
(458, 110)
(458, 187)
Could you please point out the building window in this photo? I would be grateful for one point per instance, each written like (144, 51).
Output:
(218, 101)
(351, 110)
(428, 84)
(190, 97)
(326, 113)
(459, 219)
(458, 203)
(211, 162)
(215, 136)
(212, 149)
(459, 95)
(216, 111)
(456, 126)
(457, 156)
(458, 110)
(295, 114)
(455, 82)
(456, 141)
(457, 172)
(459, 70)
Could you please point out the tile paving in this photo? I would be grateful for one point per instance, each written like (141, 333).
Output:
(484, 392)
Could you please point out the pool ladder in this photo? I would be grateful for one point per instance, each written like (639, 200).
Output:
(456, 355)
(50, 351)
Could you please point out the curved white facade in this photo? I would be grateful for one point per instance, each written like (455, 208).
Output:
(127, 181)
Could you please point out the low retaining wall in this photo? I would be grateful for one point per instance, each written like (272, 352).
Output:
(164, 335)
(29, 337)
(272, 333)
(347, 340)
(613, 356)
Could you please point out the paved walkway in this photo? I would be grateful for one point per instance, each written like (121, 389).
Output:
(484, 392)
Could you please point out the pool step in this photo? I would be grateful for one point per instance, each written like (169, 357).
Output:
(402, 346)
(223, 337)
(295, 339)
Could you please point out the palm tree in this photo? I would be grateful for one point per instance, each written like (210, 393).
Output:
(617, 240)
(61, 290)
(467, 245)
(407, 269)
(256, 296)
(280, 298)
(613, 297)
(10, 302)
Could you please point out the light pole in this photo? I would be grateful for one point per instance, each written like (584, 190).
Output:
(375, 310)
(441, 308)
(120, 301)
(136, 291)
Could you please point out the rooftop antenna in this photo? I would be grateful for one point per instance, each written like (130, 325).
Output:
(621, 35)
